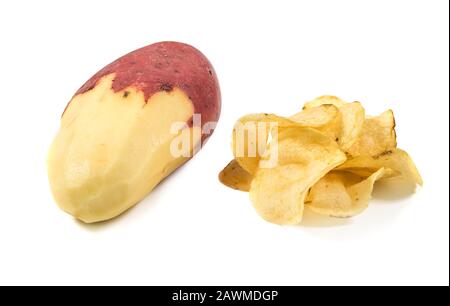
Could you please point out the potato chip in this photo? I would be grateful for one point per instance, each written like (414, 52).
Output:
(352, 119)
(234, 176)
(353, 116)
(250, 135)
(397, 160)
(341, 194)
(316, 117)
(378, 136)
(304, 145)
(332, 100)
(326, 157)
(325, 118)
(305, 155)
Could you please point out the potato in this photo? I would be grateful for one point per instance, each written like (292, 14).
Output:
(121, 133)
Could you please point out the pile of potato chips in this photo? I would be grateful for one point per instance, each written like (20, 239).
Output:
(327, 158)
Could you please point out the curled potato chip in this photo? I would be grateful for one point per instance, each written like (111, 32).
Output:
(234, 176)
(341, 194)
(377, 136)
(316, 117)
(303, 145)
(250, 135)
(304, 156)
(352, 117)
(397, 160)
(332, 100)
(325, 118)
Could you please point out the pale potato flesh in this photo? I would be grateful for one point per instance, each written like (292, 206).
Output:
(113, 148)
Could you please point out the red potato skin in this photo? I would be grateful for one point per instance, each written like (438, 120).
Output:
(161, 67)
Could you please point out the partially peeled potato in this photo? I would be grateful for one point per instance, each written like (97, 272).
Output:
(130, 126)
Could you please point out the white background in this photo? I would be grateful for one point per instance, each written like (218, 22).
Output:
(270, 56)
